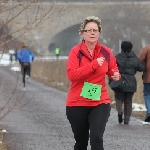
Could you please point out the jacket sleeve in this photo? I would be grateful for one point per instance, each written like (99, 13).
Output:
(32, 55)
(141, 66)
(19, 57)
(112, 65)
(76, 72)
(143, 54)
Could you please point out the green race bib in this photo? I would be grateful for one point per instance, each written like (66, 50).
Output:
(91, 91)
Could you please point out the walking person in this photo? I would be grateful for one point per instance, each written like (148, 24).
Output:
(11, 54)
(25, 57)
(145, 57)
(57, 52)
(128, 64)
(88, 102)
(16, 51)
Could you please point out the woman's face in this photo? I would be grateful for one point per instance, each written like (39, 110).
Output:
(91, 32)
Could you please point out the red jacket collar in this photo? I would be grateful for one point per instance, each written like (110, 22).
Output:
(96, 51)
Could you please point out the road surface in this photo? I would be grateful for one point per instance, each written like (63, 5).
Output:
(38, 120)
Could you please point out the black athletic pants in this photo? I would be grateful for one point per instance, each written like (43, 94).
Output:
(83, 119)
(25, 67)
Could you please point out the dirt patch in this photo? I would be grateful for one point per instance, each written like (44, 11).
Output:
(52, 73)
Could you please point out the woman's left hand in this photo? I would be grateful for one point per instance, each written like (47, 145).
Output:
(116, 76)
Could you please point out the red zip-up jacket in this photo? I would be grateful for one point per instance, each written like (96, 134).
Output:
(82, 67)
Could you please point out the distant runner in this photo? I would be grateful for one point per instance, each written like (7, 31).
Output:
(25, 57)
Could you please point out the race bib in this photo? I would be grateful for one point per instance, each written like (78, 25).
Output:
(91, 91)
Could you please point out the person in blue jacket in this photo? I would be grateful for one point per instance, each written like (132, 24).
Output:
(25, 58)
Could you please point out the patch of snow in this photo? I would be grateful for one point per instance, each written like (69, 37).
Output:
(135, 106)
(138, 107)
(15, 68)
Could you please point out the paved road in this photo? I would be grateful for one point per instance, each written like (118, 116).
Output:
(42, 125)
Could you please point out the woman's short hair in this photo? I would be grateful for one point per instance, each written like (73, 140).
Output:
(90, 19)
(23, 45)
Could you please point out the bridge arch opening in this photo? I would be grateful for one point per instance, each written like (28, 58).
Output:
(65, 40)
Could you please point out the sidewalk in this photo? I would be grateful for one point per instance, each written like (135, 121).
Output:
(58, 134)
(134, 136)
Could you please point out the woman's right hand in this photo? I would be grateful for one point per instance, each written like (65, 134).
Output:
(100, 60)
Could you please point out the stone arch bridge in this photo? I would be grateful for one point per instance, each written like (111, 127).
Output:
(61, 27)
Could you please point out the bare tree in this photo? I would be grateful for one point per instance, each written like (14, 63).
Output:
(12, 34)
(128, 22)
(12, 31)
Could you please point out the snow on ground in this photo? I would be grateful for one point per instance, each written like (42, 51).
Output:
(5, 61)
(136, 107)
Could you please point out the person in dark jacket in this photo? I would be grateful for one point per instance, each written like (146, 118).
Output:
(25, 57)
(128, 64)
